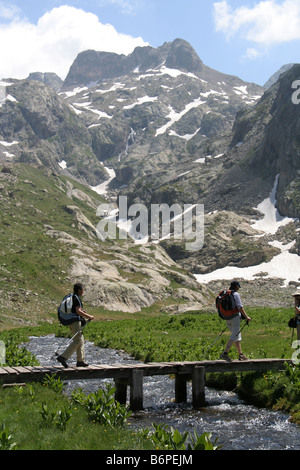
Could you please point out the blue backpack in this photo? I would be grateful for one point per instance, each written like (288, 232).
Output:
(64, 311)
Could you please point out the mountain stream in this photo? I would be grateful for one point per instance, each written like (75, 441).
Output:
(239, 426)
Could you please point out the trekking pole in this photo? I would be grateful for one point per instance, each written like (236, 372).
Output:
(292, 336)
(215, 340)
(246, 324)
(70, 340)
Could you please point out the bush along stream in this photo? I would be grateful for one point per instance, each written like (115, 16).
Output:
(234, 401)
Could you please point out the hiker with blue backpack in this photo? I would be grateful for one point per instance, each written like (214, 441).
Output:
(71, 314)
(231, 309)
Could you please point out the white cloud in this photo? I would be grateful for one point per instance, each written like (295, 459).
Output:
(53, 43)
(9, 12)
(267, 23)
(127, 7)
(252, 53)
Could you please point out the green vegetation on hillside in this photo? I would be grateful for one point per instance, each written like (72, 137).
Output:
(34, 270)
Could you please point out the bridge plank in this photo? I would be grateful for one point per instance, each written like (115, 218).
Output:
(21, 370)
(126, 372)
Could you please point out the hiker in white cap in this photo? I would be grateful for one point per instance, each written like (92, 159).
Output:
(296, 296)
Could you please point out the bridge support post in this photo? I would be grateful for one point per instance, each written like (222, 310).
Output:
(198, 387)
(180, 388)
(136, 390)
(121, 390)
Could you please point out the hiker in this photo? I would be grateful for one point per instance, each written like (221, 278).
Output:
(296, 296)
(80, 316)
(234, 325)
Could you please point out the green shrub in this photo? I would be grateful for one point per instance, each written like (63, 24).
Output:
(18, 355)
(102, 407)
(57, 417)
(6, 440)
(165, 438)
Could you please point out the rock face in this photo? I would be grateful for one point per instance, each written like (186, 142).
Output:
(40, 129)
(273, 79)
(270, 136)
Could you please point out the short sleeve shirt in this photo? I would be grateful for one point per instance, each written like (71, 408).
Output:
(237, 299)
(76, 303)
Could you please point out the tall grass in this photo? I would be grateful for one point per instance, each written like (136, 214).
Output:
(27, 416)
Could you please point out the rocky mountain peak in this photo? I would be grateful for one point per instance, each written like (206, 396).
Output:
(50, 79)
(93, 66)
(182, 56)
(273, 79)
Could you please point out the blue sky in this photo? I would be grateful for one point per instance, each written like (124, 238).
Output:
(248, 38)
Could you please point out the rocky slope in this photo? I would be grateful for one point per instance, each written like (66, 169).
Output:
(49, 242)
(38, 128)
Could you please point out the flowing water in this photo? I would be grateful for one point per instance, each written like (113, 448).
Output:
(239, 426)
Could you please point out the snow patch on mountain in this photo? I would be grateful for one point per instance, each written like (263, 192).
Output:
(284, 266)
(3, 93)
(272, 220)
(143, 99)
(175, 117)
(102, 188)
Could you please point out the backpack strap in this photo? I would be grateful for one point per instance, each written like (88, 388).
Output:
(79, 300)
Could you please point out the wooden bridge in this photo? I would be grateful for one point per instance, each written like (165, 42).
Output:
(132, 376)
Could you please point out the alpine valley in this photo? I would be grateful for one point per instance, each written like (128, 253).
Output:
(159, 127)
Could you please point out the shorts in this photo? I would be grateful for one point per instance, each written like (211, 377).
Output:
(234, 326)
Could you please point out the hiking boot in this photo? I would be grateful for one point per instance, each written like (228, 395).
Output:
(225, 356)
(82, 364)
(242, 357)
(63, 361)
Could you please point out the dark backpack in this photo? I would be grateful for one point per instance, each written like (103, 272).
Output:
(225, 305)
(64, 311)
